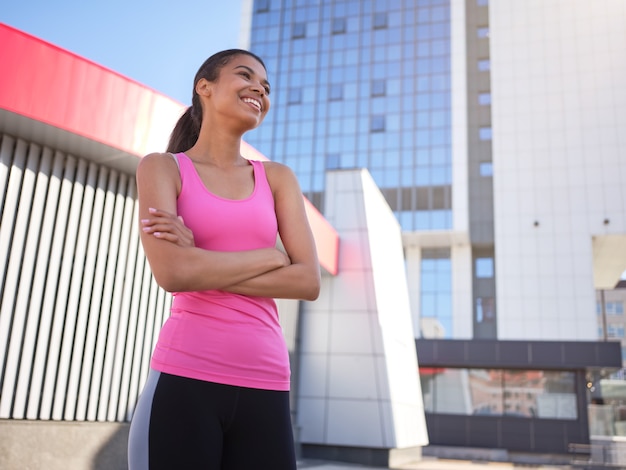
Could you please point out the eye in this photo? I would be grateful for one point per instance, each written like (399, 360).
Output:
(245, 74)
(267, 90)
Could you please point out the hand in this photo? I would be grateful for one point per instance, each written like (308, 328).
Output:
(169, 227)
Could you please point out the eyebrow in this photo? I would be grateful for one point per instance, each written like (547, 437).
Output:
(265, 82)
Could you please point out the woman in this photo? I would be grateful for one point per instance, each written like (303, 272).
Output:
(217, 393)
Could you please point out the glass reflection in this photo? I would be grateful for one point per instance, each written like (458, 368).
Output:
(497, 392)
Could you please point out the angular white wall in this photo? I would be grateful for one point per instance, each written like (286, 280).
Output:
(559, 113)
(359, 383)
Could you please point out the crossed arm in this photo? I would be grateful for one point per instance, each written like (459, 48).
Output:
(180, 266)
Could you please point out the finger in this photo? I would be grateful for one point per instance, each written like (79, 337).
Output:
(162, 227)
(166, 236)
(155, 220)
(161, 213)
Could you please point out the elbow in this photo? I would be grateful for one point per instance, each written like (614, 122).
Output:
(313, 288)
(166, 282)
(169, 280)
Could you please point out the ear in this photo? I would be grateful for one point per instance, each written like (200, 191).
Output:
(204, 87)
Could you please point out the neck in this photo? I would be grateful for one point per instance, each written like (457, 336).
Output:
(217, 147)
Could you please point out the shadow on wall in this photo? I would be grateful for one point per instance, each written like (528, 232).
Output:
(113, 453)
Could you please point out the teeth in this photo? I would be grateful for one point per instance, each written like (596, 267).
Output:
(253, 102)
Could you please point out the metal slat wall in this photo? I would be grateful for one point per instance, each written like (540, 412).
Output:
(79, 309)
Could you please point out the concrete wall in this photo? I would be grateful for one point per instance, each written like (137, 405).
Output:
(559, 113)
(359, 383)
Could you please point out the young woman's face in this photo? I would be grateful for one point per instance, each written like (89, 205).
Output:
(242, 89)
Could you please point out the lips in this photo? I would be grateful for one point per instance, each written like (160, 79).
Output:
(253, 102)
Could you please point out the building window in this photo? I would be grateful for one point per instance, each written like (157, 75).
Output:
(614, 308)
(333, 161)
(294, 96)
(335, 92)
(482, 32)
(262, 5)
(338, 26)
(484, 133)
(485, 310)
(377, 124)
(484, 268)
(496, 392)
(379, 88)
(615, 331)
(484, 99)
(484, 65)
(436, 294)
(486, 169)
(379, 21)
(298, 30)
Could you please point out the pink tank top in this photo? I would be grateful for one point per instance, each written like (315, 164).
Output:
(214, 335)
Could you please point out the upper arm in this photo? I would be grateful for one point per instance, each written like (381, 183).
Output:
(293, 225)
(158, 184)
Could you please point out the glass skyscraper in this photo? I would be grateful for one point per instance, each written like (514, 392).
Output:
(361, 84)
(367, 85)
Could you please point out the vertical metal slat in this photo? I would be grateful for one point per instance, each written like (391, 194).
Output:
(55, 221)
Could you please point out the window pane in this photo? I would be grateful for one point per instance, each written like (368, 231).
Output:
(484, 268)
(484, 99)
(380, 20)
(335, 92)
(451, 392)
(486, 169)
(484, 65)
(485, 310)
(295, 96)
(377, 124)
(262, 5)
(333, 161)
(484, 133)
(427, 378)
(495, 392)
(298, 30)
(339, 25)
(485, 387)
(542, 394)
(378, 88)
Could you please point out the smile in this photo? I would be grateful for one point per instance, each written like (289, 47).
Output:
(253, 102)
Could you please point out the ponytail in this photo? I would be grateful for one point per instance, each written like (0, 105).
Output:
(186, 131)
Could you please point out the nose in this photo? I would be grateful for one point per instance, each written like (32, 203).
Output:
(257, 87)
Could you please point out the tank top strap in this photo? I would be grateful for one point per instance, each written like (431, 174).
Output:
(260, 179)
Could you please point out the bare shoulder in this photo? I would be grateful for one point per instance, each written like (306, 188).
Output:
(160, 163)
(277, 174)
(158, 159)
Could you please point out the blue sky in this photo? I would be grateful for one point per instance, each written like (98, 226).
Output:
(159, 43)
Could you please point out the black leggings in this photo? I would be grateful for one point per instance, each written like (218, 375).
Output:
(182, 423)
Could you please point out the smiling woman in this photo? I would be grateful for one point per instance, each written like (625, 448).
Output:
(217, 394)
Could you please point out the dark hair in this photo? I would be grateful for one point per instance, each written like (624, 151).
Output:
(187, 129)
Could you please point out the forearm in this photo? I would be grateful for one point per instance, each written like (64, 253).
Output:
(296, 281)
(178, 269)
